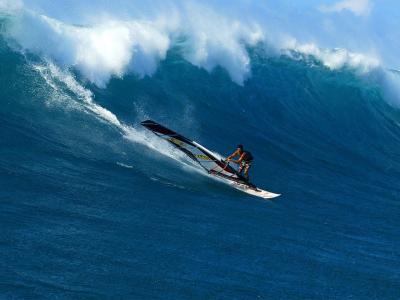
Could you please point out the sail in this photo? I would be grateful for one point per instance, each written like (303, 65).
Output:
(204, 157)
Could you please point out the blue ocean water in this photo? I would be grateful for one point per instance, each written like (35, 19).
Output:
(93, 207)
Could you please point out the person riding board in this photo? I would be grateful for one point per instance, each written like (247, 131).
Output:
(245, 160)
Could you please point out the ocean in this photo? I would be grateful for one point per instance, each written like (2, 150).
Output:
(94, 206)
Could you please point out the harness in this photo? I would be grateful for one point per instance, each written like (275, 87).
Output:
(247, 157)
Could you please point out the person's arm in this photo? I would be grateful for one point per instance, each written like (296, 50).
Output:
(239, 160)
(232, 155)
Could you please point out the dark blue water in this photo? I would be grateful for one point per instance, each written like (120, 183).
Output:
(90, 210)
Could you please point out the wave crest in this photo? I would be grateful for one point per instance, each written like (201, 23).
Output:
(113, 47)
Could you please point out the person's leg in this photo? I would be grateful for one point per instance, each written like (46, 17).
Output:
(246, 170)
(240, 168)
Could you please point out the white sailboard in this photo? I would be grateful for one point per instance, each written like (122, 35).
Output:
(207, 160)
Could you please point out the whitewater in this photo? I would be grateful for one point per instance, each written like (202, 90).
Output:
(94, 206)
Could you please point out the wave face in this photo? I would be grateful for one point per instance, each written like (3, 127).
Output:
(94, 206)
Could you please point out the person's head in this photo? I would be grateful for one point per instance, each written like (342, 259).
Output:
(240, 148)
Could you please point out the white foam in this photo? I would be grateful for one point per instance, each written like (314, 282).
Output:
(99, 51)
(219, 41)
(124, 165)
(334, 58)
(83, 94)
(113, 46)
